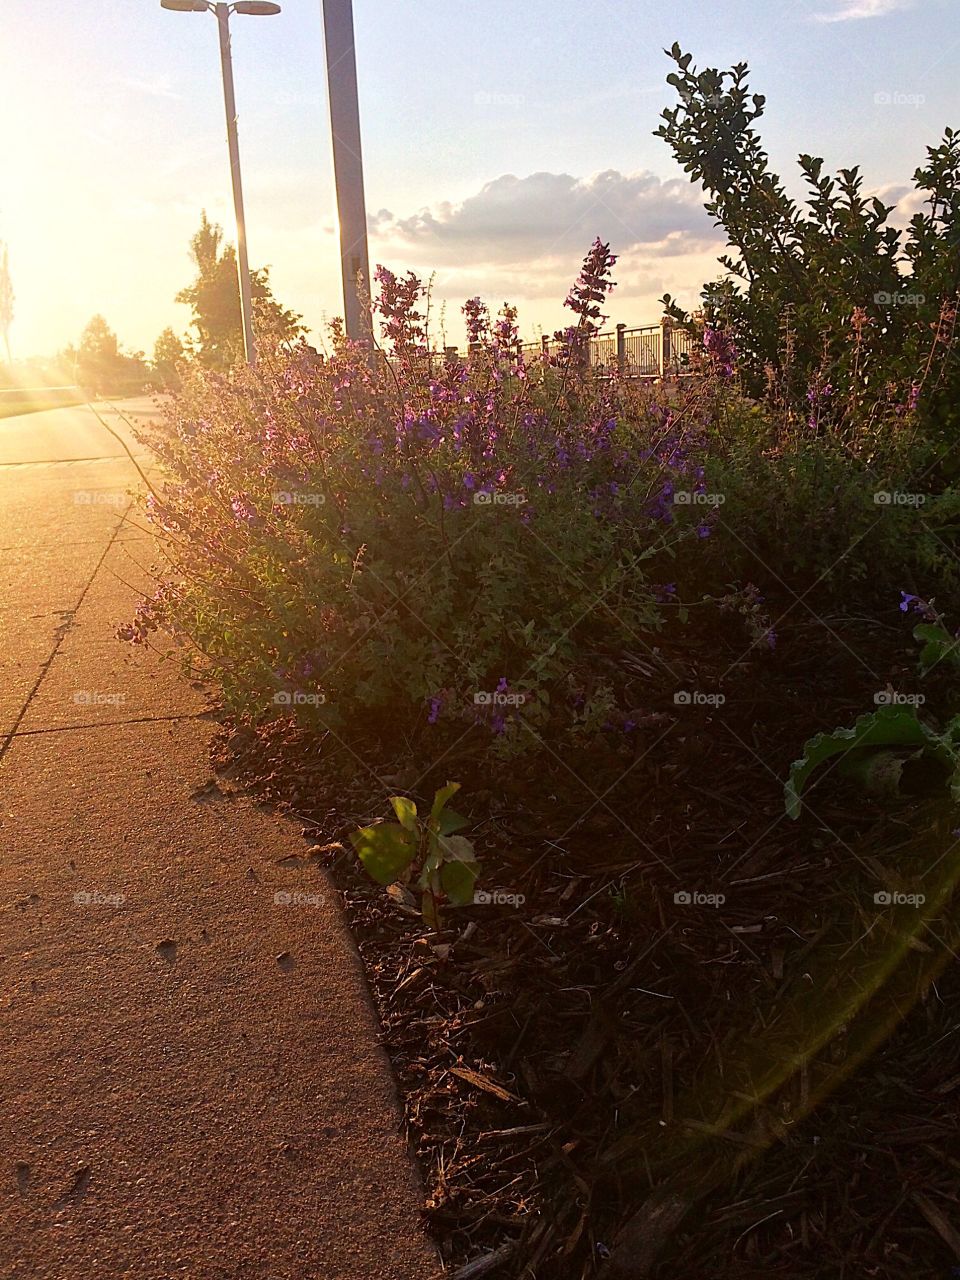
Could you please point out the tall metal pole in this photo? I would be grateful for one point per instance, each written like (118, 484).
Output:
(347, 162)
(243, 263)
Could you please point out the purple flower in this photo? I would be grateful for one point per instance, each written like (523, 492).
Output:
(720, 348)
(590, 288)
(243, 509)
(916, 604)
(477, 318)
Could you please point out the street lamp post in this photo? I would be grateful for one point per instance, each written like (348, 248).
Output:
(222, 13)
(347, 163)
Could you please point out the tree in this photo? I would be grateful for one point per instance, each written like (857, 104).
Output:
(103, 367)
(168, 353)
(6, 301)
(829, 292)
(214, 299)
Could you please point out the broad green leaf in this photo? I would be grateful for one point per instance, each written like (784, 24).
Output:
(885, 727)
(451, 822)
(938, 644)
(385, 850)
(458, 880)
(440, 799)
(406, 812)
(878, 772)
(457, 849)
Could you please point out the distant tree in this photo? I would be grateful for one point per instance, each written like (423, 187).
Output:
(168, 354)
(6, 300)
(214, 299)
(102, 366)
(97, 355)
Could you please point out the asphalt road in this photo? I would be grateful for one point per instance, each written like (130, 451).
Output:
(190, 1081)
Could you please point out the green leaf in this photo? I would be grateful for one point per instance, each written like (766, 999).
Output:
(938, 644)
(885, 727)
(457, 849)
(458, 880)
(877, 772)
(440, 799)
(406, 812)
(385, 850)
(451, 821)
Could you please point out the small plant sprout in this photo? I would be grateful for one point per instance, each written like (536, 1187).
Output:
(444, 863)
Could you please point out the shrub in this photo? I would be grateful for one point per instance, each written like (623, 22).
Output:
(831, 293)
(377, 545)
(388, 544)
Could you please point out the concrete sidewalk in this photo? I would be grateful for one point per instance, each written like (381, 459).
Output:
(191, 1081)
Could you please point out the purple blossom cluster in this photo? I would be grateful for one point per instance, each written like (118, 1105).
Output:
(437, 473)
(585, 300)
(721, 350)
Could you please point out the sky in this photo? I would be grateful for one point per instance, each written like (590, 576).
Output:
(499, 137)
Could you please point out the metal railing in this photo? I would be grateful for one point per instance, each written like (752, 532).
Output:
(648, 351)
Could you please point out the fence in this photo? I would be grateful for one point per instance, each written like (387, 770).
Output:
(649, 351)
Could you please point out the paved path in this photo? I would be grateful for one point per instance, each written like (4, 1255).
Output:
(190, 1084)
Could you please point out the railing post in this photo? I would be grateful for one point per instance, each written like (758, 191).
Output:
(666, 343)
(621, 349)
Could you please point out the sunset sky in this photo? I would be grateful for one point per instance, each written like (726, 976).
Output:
(499, 139)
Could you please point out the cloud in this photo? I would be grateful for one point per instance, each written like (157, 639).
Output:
(546, 216)
(851, 10)
(524, 239)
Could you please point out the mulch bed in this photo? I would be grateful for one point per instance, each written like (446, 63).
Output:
(585, 1061)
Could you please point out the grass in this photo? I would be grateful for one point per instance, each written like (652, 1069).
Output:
(16, 401)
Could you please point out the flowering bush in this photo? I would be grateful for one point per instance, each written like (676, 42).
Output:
(411, 541)
(827, 295)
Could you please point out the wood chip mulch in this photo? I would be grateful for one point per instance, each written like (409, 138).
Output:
(601, 1079)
